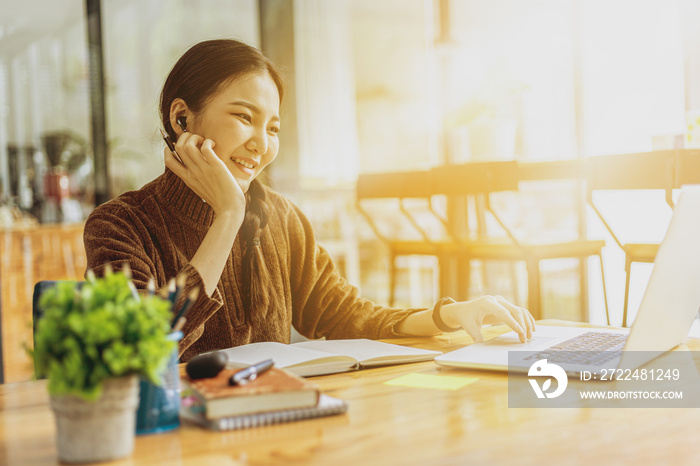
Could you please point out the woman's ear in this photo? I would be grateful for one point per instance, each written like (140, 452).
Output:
(178, 116)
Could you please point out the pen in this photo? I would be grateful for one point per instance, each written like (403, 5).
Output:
(171, 146)
(251, 373)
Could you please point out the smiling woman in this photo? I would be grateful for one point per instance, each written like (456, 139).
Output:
(208, 219)
(242, 117)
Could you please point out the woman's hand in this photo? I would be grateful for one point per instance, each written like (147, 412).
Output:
(471, 315)
(210, 179)
(206, 174)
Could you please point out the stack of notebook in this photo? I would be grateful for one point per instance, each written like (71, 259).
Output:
(274, 397)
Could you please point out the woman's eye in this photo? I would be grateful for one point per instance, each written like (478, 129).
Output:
(245, 117)
(274, 129)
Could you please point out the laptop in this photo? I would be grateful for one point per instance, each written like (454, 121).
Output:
(667, 311)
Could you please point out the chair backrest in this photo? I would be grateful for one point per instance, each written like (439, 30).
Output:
(401, 185)
(568, 169)
(39, 289)
(396, 186)
(474, 178)
(636, 171)
(643, 170)
(687, 167)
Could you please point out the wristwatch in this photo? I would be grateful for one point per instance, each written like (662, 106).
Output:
(437, 320)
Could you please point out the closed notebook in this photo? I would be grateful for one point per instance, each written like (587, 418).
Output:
(327, 356)
(273, 390)
(327, 406)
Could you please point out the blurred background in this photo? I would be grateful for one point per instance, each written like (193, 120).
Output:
(374, 86)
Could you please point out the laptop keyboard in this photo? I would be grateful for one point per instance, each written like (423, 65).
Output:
(590, 348)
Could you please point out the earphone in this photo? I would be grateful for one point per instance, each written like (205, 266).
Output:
(182, 121)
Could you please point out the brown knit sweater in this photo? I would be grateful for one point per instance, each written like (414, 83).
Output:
(159, 228)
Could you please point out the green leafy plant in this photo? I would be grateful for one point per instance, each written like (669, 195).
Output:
(100, 331)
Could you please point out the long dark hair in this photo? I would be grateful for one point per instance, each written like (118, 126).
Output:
(197, 76)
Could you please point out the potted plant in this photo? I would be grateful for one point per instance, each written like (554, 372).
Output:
(92, 343)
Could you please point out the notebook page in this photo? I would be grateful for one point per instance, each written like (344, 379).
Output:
(370, 352)
(285, 356)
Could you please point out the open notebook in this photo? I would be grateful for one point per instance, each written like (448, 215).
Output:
(327, 356)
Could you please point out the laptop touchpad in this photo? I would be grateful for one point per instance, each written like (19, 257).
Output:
(512, 340)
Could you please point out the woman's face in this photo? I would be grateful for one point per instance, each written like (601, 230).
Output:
(242, 120)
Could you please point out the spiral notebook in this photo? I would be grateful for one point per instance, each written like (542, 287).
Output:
(327, 406)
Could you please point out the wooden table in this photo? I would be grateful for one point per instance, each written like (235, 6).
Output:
(393, 425)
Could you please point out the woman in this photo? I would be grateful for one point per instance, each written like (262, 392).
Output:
(250, 250)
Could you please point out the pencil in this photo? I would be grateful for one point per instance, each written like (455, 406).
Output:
(172, 292)
(126, 269)
(179, 324)
(180, 282)
(189, 302)
(163, 292)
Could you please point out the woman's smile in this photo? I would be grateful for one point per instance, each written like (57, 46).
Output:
(245, 165)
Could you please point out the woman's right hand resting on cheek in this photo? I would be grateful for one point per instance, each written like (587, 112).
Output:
(207, 175)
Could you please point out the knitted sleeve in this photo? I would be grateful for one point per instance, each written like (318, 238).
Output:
(113, 236)
(324, 303)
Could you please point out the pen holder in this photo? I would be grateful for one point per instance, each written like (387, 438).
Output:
(159, 405)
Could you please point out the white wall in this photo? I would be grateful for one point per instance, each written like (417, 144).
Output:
(142, 41)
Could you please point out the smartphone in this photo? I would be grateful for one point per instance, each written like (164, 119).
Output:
(171, 146)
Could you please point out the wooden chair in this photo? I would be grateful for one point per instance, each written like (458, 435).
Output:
(635, 171)
(37, 312)
(686, 167)
(488, 178)
(401, 186)
(459, 185)
(451, 250)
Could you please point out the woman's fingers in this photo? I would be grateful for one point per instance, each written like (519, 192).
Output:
(520, 314)
(206, 174)
(472, 315)
(208, 147)
(193, 146)
(173, 164)
(488, 308)
(208, 154)
(532, 319)
(507, 318)
(473, 328)
(188, 147)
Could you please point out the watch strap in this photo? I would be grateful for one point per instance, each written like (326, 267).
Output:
(437, 320)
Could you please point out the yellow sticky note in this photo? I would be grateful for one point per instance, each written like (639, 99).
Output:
(438, 382)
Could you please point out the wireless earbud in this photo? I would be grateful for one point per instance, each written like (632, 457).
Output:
(182, 121)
